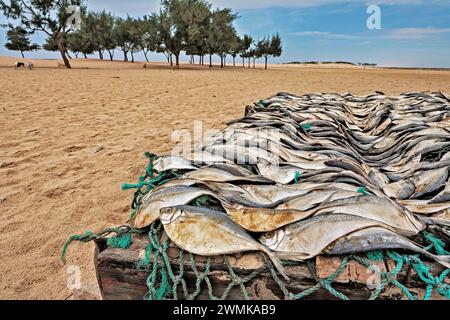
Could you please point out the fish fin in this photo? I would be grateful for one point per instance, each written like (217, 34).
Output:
(325, 203)
(277, 263)
(444, 260)
(275, 260)
(292, 256)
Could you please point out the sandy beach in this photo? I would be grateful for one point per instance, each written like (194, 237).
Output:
(54, 184)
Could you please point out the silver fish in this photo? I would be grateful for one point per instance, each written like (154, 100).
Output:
(379, 209)
(206, 232)
(401, 190)
(162, 197)
(376, 238)
(424, 207)
(309, 238)
(429, 181)
(218, 175)
(444, 196)
(173, 163)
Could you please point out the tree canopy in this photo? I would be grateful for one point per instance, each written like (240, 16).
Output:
(51, 17)
(189, 26)
(18, 39)
(269, 48)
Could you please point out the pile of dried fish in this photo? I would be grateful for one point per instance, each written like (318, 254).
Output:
(301, 176)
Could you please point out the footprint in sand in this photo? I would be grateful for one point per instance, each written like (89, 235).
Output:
(74, 148)
(8, 164)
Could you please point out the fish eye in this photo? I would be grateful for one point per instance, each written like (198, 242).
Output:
(167, 210)
(269, 235)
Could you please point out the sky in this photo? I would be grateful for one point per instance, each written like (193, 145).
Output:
(413, 33)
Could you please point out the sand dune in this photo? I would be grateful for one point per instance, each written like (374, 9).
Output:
(53, 120)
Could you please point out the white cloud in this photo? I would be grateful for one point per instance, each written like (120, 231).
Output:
(328, 35)
(415, 33)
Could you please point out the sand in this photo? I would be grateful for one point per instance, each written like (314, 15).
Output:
(53, 185)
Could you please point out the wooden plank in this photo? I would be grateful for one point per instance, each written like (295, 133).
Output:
(120, 280)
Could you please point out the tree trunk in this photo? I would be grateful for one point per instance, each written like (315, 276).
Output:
(132, 57)
(234, 61)
(171, 60)
(145, 54)
(111, 54)
(100, 54)
(177, 59)
(62, 50)
(76, 55)
(243, 62)
(266, 58)
(85, 55)
(125, 56)
(254, 63)
(221, 62)
(21, 52)
(249, 60)
(68, 55)
(210, 60)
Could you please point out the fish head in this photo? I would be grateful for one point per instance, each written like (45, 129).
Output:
(273, 239)
(170, 214)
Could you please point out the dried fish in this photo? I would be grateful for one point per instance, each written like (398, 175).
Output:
(319, 173)
(376, 238)
(379, 209)
(209, 233)
(306, 239)
(152, 203)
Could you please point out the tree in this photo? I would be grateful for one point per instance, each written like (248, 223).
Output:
(52, 45)
(222, 33)
(162, 24)
(198, 18)
(18, 40)
(149, 35)
(77, 42)
(99, 29)
(170, 29)
(254, 53)
(109, 41)
(178, 24)
(246, 43)
(135, 36)
(270, 48)
(74, 43)
(123, 36)
(48, 16)
(235, 48)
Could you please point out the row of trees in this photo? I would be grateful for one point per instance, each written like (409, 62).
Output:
(189, 26)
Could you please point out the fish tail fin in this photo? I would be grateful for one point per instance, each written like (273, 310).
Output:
(433, 221)
(440, 222)
(276, 262)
